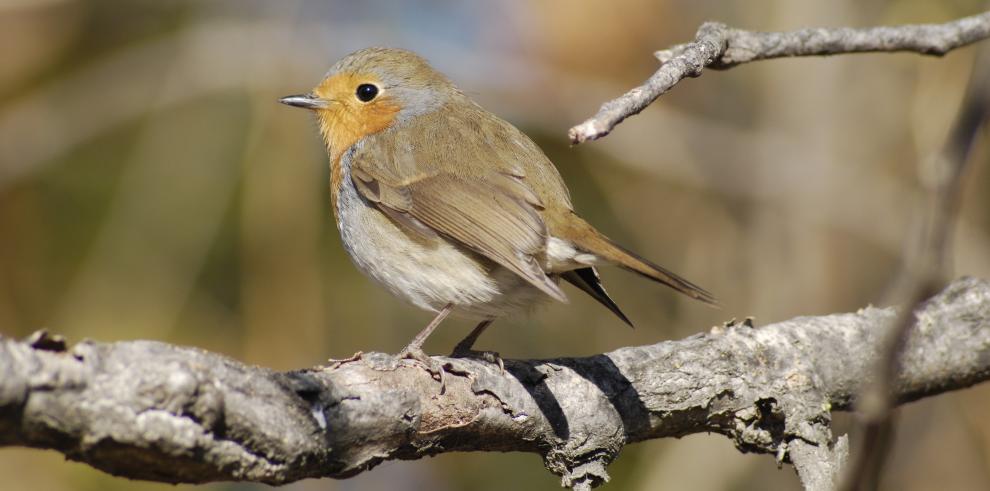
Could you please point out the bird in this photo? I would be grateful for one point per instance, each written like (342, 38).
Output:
(450, 207)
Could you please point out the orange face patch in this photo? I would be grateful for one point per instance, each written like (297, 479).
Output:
(347, 120)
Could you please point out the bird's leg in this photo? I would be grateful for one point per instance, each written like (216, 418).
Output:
(464, 348)
(417, 343)
(414, 350)
(468, 342)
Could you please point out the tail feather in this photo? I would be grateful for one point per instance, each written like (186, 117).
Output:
(586, 238)
(588, 281)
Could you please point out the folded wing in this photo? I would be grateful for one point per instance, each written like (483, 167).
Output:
(493, 215)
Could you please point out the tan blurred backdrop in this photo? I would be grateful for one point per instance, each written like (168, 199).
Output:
(151, 187)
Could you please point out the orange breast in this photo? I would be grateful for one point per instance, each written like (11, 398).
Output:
(348, 120)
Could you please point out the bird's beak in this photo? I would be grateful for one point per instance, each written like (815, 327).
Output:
(305, 101)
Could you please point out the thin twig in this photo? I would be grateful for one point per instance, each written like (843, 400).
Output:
(718, 46)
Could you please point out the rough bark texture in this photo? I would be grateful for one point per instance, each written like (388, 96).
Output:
(719, 46)
(150, 410)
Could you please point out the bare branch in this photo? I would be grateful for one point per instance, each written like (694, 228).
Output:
(719, 46)
(922, 275)
(159, 412)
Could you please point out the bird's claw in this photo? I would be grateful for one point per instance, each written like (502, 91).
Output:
(337, 362)
(432, 365)
(490, 356)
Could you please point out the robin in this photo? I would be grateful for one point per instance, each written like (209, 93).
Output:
(448, 206)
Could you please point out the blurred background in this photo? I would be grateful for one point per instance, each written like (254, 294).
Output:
(151, 187)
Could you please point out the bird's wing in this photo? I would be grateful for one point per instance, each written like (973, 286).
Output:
(494, 214)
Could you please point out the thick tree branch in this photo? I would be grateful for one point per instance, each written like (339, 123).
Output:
(719, 46)
(154, 411)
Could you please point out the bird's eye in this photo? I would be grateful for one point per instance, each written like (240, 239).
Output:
(366, 92)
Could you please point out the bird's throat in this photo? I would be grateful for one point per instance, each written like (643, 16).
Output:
(342, 127)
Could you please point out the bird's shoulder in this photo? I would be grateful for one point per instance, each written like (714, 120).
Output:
(463, 141)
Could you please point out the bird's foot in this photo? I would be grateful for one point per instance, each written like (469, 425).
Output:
(337, 362)
(490, 356)
(432, 365)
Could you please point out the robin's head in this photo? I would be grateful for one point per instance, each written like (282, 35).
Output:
(370, 90)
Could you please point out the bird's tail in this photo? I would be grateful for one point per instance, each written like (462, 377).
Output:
(588, 239)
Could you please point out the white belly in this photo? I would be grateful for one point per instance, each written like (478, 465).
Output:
(428, 273)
